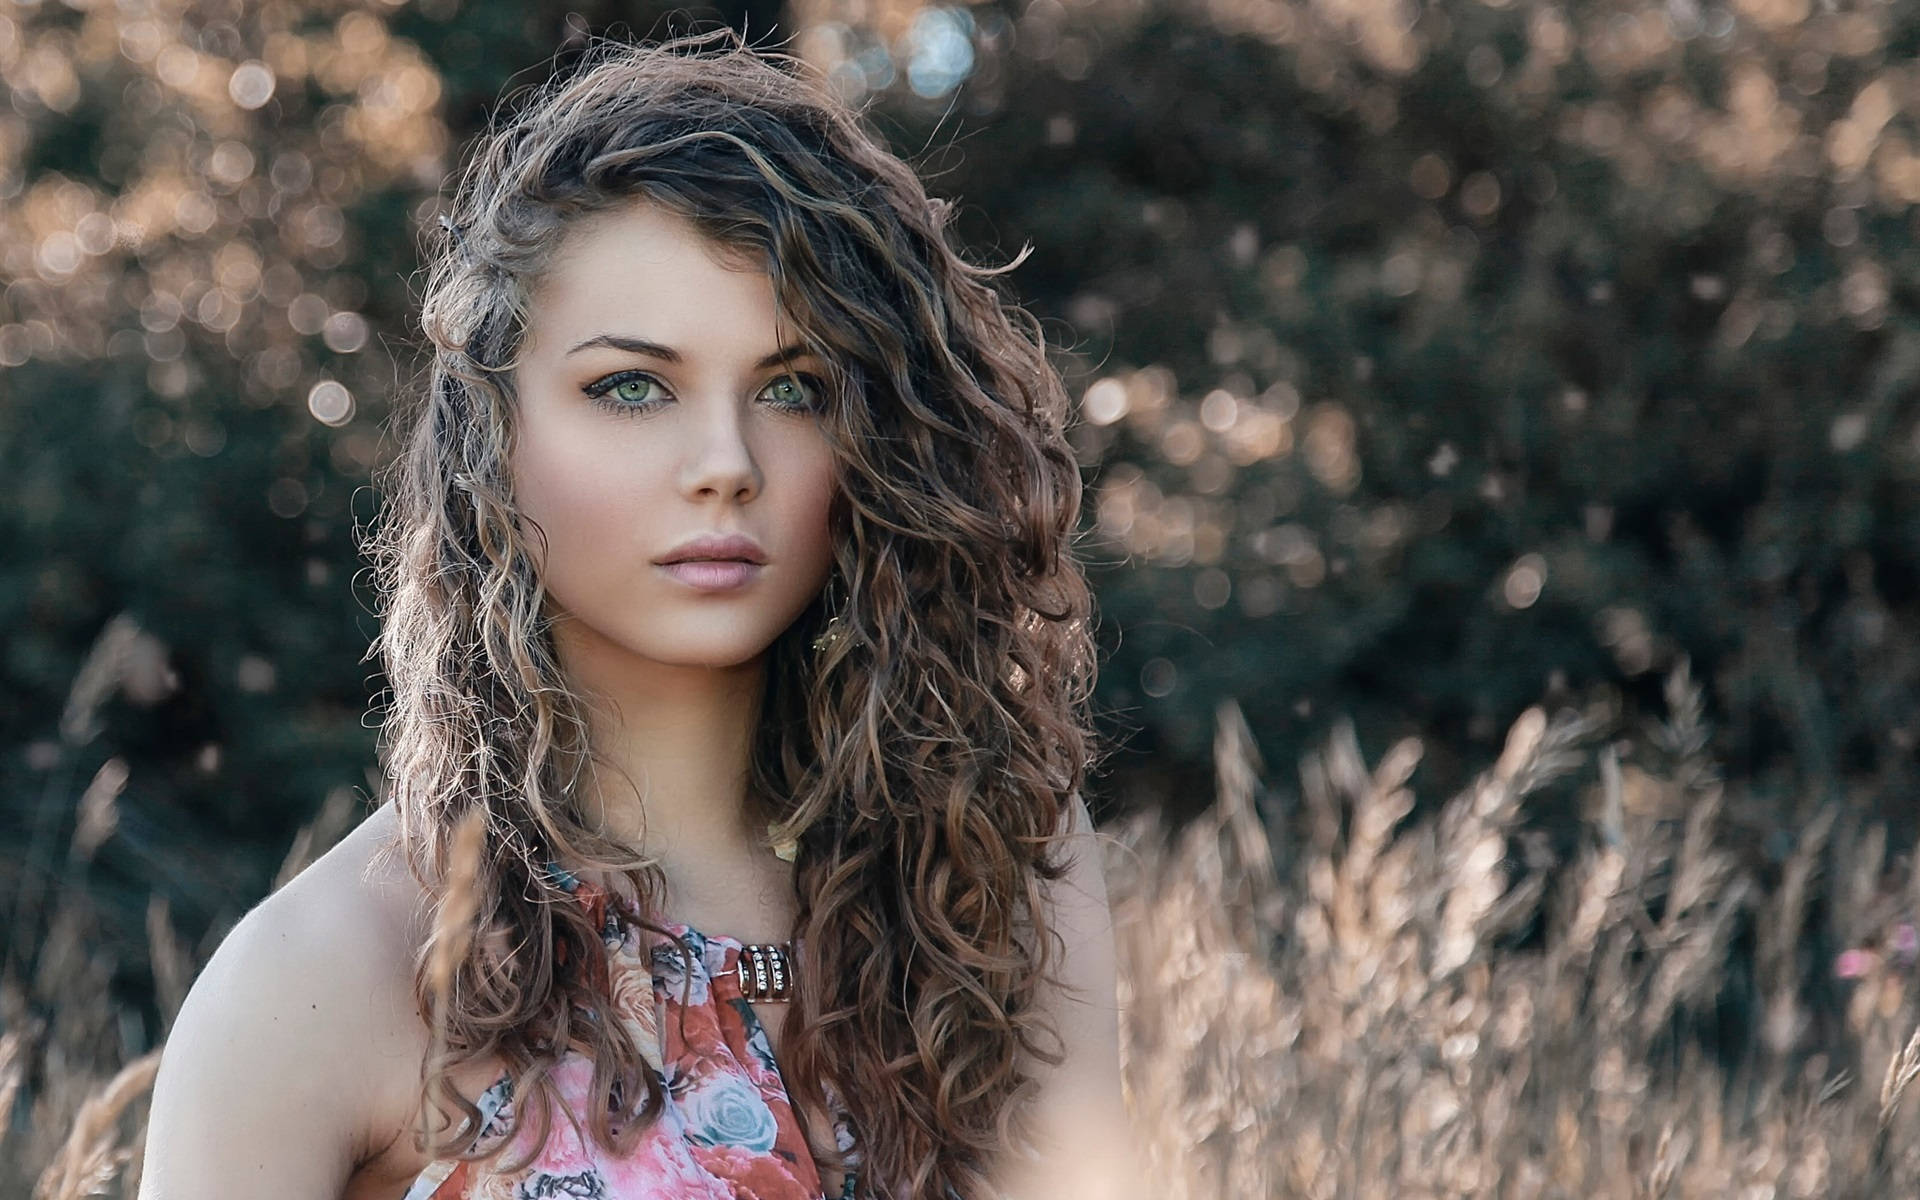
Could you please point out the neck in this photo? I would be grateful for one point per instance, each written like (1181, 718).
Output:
(672, 743)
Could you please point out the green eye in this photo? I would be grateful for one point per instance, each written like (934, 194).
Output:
(633, 391)
(625, 390)
(636, 391)
(796, 391)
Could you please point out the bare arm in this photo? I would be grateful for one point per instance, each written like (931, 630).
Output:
(263, 1088)
(1079, 1119)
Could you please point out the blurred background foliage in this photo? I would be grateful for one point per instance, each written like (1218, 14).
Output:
(1434, 358)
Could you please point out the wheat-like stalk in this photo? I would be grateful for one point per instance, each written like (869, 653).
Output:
(98, 812)
(12, 1066)
(1496, 1070)
(312, 840)
(172, 966)
(1351, 996)
(92, 1155)
(1901, 1070)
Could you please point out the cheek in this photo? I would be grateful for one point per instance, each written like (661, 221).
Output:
(579, 491)
(817, 489)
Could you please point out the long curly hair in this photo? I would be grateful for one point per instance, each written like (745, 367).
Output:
(926, 764)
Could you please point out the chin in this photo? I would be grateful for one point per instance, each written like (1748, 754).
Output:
(719, 642)
(719, 659)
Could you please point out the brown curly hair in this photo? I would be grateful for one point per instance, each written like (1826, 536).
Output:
(926, 764)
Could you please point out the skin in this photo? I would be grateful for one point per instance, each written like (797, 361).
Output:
(292, 1068)
(711, 443)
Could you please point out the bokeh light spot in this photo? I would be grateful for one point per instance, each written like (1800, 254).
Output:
(1105, 402)
(1212, 588)
(1158, 676)
(1219, 410)
(1429, 177)
(344, 332)
(308, 313)
(330, 402)
(1525, 579)
(939, 50)
(251, 84)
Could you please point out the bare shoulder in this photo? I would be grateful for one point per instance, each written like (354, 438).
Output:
(299, 1043)
(1080, 913)
(1079, 1114)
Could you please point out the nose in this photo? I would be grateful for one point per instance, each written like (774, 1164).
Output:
(719, 463)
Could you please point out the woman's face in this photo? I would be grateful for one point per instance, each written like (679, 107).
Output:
(655, 405)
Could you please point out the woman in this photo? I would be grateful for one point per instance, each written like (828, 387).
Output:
(739, 669)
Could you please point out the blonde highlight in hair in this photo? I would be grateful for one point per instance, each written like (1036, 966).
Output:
(926, 764)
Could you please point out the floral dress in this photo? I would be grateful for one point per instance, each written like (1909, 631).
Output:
(728, 1132)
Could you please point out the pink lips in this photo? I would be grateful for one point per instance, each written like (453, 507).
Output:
(712, 575)
(716, 546)
(714, 562)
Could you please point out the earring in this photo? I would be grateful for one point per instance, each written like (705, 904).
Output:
(835, 629)
(785, 850)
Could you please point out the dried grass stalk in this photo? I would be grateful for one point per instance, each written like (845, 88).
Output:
(1379, 1001)
(92, 1154)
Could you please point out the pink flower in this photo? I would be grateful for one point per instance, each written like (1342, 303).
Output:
(1855, 964)
(1905, 943)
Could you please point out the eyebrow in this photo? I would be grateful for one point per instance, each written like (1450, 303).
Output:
(668, 353)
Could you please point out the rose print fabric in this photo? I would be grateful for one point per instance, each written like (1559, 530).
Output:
(729, 1131)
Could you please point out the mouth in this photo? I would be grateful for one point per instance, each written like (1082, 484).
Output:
(713, 574)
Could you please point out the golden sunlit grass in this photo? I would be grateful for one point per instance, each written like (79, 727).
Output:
(1375, 1004)
(1374, 1021)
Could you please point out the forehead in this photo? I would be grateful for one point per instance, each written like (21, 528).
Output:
(645, 271)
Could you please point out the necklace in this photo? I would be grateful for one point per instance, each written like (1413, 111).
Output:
(764, 971)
